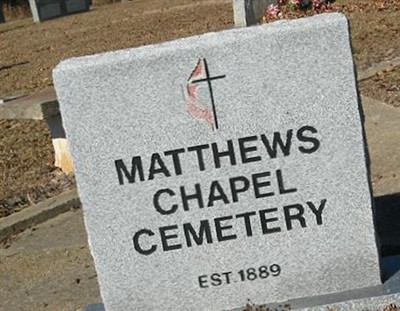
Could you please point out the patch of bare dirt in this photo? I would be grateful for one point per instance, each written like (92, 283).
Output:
(375, 29)
(384, 86)
(27, 174)
(31, 50)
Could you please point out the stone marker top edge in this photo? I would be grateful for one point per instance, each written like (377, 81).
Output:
(158, 49)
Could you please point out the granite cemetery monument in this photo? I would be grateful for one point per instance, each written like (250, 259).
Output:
(223, 168)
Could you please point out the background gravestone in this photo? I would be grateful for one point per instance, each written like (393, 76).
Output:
(2, 19)
(249, 12)
(223, 167)
(47, 9)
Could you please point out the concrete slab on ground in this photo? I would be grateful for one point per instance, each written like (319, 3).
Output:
(382, 126)
(38, 213)
(49, 267)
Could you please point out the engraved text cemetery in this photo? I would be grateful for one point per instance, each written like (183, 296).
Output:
(168, 201)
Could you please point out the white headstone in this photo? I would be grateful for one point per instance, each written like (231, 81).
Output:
(249, 12)
(223, 167)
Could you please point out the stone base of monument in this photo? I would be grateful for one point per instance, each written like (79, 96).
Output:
(370, 298)
(366, 299)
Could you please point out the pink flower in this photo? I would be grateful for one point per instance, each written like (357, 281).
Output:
(295, 2)
(328, 6)
(282, 2)
(316, 4)
(273, 10)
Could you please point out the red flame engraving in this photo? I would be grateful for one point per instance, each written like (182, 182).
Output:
(194, 107)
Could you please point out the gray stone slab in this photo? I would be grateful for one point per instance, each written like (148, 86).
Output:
(382, 126)
(249, 12)
(10, 98)
(367, 299)
(373, 70)
(95, 307)
(38, 213)
(135, 103)
(370, 298)
(37, 106)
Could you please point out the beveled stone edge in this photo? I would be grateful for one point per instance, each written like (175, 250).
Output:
(38, 213)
